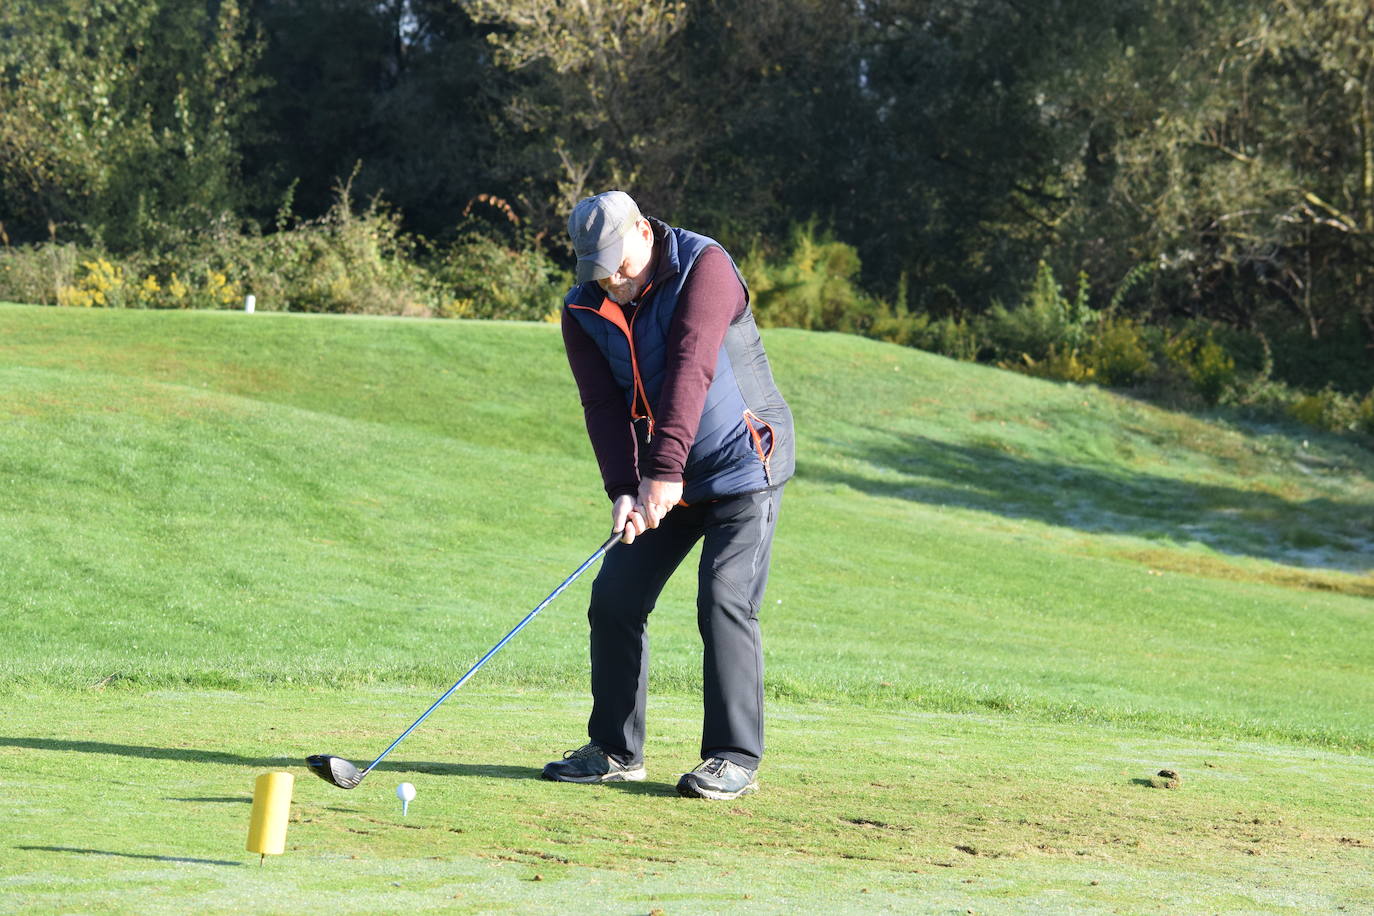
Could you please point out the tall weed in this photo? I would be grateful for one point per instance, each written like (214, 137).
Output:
(1046, 323)
(1197, 356)
(483, 278)
(1120, 352)
(814, 286)
(358, 263)
(38, 273)
(1333, 411)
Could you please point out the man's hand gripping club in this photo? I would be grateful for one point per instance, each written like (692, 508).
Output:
(631, 516)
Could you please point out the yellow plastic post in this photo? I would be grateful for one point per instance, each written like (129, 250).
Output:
(271, 808)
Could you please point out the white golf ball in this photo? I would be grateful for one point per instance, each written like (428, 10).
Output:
(405, 792)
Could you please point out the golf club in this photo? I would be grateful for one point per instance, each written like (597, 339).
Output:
(345, 775)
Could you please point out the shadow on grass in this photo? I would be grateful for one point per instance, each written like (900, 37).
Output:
(433, 768)
(1323, 533)
(186, 754)
(127, 855)
(660, 789)
(491, 771)
(192, 755)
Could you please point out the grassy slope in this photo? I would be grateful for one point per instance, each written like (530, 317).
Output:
(211, 500)
(957, 536)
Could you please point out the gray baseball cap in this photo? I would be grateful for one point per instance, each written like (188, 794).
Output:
(598, 226)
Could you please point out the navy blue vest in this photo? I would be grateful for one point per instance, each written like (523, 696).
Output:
(744, 442)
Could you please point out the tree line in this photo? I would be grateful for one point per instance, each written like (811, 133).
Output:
(1209, 162)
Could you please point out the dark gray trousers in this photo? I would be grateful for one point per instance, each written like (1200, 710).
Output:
(737, 535)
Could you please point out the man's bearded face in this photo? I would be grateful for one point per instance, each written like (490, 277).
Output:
(628, 282)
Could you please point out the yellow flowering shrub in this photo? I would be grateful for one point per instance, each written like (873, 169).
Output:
(101, 285)
(1062, 365)
(176, 292)
(455, 308)
(221, 292)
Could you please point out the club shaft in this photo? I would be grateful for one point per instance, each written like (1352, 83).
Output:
(610, 542)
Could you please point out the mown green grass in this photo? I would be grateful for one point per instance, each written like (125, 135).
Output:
(131, 801)
(997, 604)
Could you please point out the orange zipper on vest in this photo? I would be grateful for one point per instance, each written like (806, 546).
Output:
(612, 312)
(765, 456)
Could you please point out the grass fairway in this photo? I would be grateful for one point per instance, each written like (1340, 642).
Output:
(999, 607)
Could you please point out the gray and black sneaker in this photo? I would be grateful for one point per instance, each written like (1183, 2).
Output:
(589, 763)
(719, 779)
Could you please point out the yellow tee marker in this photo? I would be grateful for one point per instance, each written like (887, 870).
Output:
(271, 808)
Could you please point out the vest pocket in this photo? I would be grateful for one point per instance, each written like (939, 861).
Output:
(761, 434)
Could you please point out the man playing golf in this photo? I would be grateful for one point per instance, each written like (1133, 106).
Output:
(695, 443)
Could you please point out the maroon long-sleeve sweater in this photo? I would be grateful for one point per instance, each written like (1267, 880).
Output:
(709, 301)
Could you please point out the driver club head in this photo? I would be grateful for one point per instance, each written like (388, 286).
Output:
(335, 770)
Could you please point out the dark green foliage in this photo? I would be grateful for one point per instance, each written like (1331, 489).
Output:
(399, 86)
(1044, 321)
(1196, 165)
(812, 287)
(121, 120)
(1331, 410)
(487, 279)
(1121, 354)
(343, 261)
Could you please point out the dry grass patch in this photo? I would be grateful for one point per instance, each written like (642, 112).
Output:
(1213, 567)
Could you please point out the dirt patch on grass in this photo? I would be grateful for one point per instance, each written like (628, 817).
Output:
(1284, 577)
(877, 825)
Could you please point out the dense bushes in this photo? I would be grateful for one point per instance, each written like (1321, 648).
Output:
(1188, 362)
(362, 263)
(492, 280)
(344, 262)
(814, 287)
(1226, 146)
